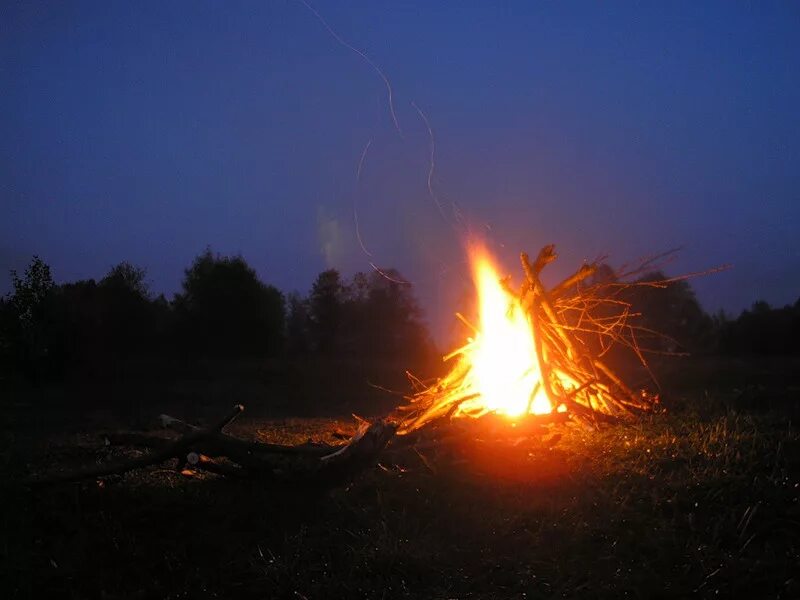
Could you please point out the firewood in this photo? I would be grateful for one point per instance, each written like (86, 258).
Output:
(571, 374)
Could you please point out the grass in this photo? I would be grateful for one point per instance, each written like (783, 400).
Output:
(701, 502)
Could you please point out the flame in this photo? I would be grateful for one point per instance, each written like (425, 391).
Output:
(504, 369)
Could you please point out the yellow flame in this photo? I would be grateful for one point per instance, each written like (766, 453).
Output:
(504, 367)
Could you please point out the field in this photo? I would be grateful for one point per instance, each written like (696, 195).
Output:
(699, 502)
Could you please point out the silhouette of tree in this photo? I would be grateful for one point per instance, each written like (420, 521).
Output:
(91, 327)
(374, 315)
(126, 276)
(32, 290)
(297, 325)
(6, 344)
(80, 339)
(226, 311)
(671, 309)
(762, 330)
(325, 311)
(127, 319)
(393, 319)
(761, 308)
(28, 318)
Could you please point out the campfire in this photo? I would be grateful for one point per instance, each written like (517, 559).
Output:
(529, 352)
(533, 353)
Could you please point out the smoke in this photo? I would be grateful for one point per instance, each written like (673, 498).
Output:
(330, 236)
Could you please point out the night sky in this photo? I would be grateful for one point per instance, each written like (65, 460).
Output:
(146, 131)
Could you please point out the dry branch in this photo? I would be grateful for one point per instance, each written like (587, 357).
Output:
(565, 321)
(308, 464)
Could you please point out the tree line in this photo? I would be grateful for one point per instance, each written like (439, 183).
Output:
(223, 310)
(669, 310)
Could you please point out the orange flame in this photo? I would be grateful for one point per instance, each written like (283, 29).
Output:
(505, 373)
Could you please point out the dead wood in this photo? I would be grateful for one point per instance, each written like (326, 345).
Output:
(583, 273)
(564, 320)
(314, 464)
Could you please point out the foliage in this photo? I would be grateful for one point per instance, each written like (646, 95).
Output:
(297, 324)
(374, 315)
(392, 316)
(91, 328)
(81, 326)
(672, 310)
(27, 318)
(101, 324)
(129, 278)
(225, 310)
(325, 311)
(126, 310)
(32, 290)
(762, 330)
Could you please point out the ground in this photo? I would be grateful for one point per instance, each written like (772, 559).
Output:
(701, 501)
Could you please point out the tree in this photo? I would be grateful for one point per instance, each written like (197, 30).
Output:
(297, 325)
(762, 330)
(325, 311)
(386, 317)
(670, 309)
(375, 315)
(32, 290)
(393, 314)
(227, 311)
(80, 328)
(28, 318)
(126, 314)
(80, 339)
(7, 340)
(128, 277)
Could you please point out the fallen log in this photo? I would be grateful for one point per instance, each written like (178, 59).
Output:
(307, 464)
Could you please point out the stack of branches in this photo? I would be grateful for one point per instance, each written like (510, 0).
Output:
(210, 449)
(575, 324)
(600, 314)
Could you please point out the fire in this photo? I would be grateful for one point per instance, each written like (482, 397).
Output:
(505, 369)
(504, 372)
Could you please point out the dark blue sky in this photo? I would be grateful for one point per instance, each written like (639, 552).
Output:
(145, 131)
